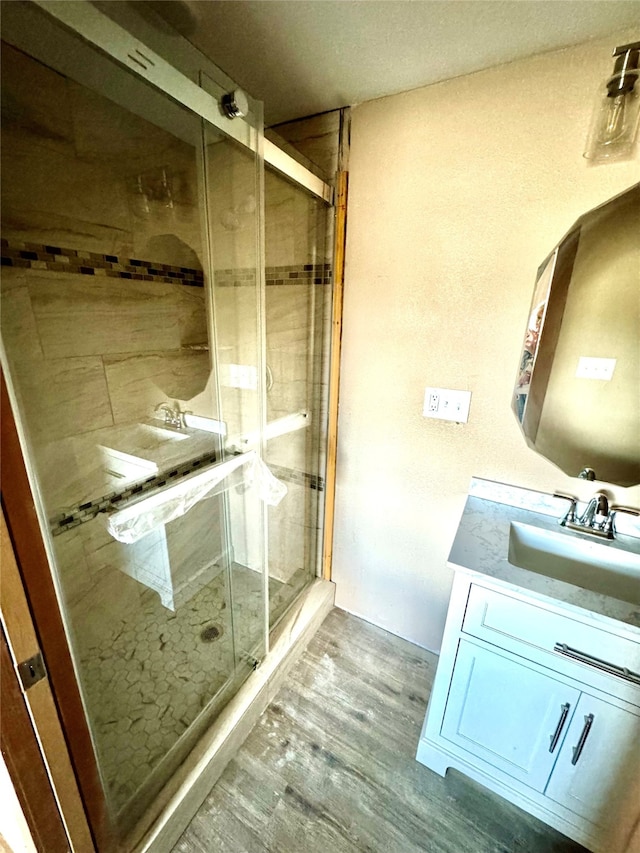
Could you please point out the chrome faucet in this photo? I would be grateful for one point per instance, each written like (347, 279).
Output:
(597, 511)
(597, 518)
(172, 416)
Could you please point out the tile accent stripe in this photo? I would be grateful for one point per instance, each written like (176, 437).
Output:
(37, 256)
(289, 274)
(290, 475)
(80, 513)
(299, 274)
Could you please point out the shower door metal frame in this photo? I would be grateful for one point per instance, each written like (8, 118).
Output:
(95, 27)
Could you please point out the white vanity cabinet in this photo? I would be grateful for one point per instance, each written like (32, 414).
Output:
(503, 712)
(600, 781)
(541, 703)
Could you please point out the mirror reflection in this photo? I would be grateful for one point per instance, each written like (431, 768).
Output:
(577, 394)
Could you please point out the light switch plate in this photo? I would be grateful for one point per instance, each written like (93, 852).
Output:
(243, 376)
(595, 368)
(446, 404)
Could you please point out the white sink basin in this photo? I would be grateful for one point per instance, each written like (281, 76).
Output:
(145, 436)
(565, 557)
(133, 451)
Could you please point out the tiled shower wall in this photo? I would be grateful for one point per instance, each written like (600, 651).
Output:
(103, 304)
(102, 300)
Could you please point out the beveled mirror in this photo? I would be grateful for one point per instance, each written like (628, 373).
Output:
(577, 394)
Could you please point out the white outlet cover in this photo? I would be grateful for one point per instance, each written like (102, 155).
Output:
(446, 404)
(595, 368)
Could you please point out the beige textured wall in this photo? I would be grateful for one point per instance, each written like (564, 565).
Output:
(458, 191)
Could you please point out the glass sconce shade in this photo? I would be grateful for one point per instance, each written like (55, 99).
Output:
(615, 119)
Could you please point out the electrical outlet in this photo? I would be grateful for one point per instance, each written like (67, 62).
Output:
(447, 405)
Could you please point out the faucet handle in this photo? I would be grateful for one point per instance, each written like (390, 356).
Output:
(615, 508)
(571, 512)
(628, 509)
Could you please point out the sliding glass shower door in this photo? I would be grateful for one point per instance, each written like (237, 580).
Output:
(137, 375)
(298, 293)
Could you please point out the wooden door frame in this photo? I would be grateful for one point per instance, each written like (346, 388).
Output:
(26, 767)
(71, 755)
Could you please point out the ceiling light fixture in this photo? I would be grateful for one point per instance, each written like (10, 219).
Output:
(615, 119)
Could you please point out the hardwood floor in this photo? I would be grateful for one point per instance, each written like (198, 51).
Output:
(330, 767)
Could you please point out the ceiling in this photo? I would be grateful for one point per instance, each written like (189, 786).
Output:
(307, 56)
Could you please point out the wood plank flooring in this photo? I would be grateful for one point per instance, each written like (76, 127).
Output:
(330, 767)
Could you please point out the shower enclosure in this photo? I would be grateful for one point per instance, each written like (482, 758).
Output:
(165, 327)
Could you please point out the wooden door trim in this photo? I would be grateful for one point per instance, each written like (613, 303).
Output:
(33, 565)
(23, 644)
(342, 182)
(24, 762)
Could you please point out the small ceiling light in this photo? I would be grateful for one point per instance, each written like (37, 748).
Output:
(615, 118)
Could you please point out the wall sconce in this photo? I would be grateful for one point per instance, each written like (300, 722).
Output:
(615, 118)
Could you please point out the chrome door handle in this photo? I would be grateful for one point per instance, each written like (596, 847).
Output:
(577, 749)
(555, 737)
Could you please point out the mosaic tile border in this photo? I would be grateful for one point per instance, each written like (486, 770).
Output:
(37, 256)
(81, 513)
(286, 274)
(290, 475)
(299, 274)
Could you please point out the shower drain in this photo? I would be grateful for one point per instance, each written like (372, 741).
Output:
(211, 633)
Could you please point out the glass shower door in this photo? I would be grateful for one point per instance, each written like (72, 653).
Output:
(298, 254)
(129, 379)
(233, 197)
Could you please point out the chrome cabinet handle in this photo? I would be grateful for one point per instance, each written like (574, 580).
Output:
(577, 749)
(597, 663)
(555, 737)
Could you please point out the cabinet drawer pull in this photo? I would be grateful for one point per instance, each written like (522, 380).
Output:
(555, 737)
(577, 749)
(611, 668)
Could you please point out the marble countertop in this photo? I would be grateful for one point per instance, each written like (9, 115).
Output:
(481, 545)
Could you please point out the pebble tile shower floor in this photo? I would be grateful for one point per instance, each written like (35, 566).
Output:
(153, 677)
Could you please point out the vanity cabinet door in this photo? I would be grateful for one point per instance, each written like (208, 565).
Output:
(598, 771)
(507, 714)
